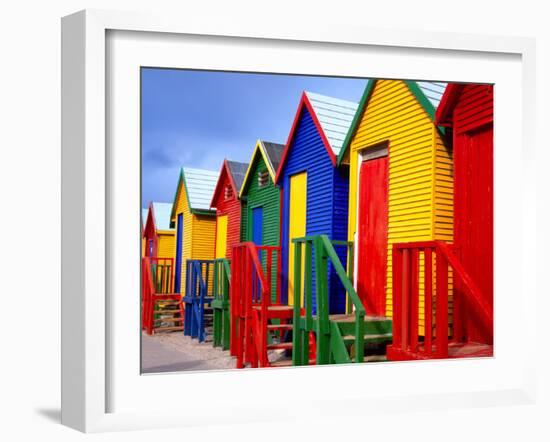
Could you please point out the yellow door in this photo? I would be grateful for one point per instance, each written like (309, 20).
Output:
(296, 226)
(221, 236)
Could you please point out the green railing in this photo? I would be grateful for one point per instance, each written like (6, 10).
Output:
(220, 304)
(321, 324)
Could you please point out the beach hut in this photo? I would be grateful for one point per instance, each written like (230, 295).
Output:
(157, 234)
(467, 109)
(228, 207)
(260, 197)
(261, 202)
(315, 190)
(194, 220)
(401, 181)
(144, 213)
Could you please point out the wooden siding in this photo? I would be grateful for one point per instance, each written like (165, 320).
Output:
(474, 108)
(420, 170)
(269, 198)
(204, 237)
(473, 155)
(199, 233)
(327, 192)
(166, 244)
(232, 209)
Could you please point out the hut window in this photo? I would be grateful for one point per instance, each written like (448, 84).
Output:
(263, 178)
(228, 192)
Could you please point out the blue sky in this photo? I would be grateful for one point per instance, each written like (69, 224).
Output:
(198, 118)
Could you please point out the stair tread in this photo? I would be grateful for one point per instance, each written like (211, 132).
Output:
(166, 312)
(375, 358)
(275, 307)
(279, 326)
(351, 318)
(281, 345)
(370, 336)
(171, 328)
(281, 363)
(169, 319)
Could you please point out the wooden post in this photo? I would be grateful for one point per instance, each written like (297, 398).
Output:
(441, 307)
(414, 300)
(323, 325)
(397, 278)
(428, 309)
(405, 296)
(297, 348)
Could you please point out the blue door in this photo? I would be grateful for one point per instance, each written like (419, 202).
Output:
(257, 231)
(179, 245)
(257, 225)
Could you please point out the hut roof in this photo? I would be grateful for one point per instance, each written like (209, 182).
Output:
(331, 116)
(428, 94)
(271, 154)
(161, 212)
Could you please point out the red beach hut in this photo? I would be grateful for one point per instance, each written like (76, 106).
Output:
(468, 110)
(228, 207)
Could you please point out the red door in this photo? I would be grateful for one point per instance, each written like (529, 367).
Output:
(373, 235)
(474, 220)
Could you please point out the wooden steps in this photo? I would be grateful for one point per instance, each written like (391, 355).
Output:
(167, 311)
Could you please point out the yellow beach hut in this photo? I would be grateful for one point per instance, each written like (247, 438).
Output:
(194, 220)
(401, 181)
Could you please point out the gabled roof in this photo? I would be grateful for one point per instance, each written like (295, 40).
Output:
(158, 216)
(161, 212)
(274, 153)
(427, 93)
(271, 154)
(447, 103)
(331, 116)
(199, 185)
(144, 213)
(236, 172)
(433, 90)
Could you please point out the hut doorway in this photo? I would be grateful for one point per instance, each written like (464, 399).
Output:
(257, 225)
(221, 236)
(474, 216)
(373, 232)
(297, 224)
(179, 246)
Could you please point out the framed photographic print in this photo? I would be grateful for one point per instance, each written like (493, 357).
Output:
(265, 213)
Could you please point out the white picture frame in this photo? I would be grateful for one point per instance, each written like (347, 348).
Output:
(86, 217)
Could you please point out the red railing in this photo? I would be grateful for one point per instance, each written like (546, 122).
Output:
(255, 285)
(157, 285)
(407, 295)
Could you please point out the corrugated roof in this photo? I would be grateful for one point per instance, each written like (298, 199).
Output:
(335, 117)
(200, 185)
(238, 172)
(274, 152)
(433, 90)
(162, 213)
(144, 216)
